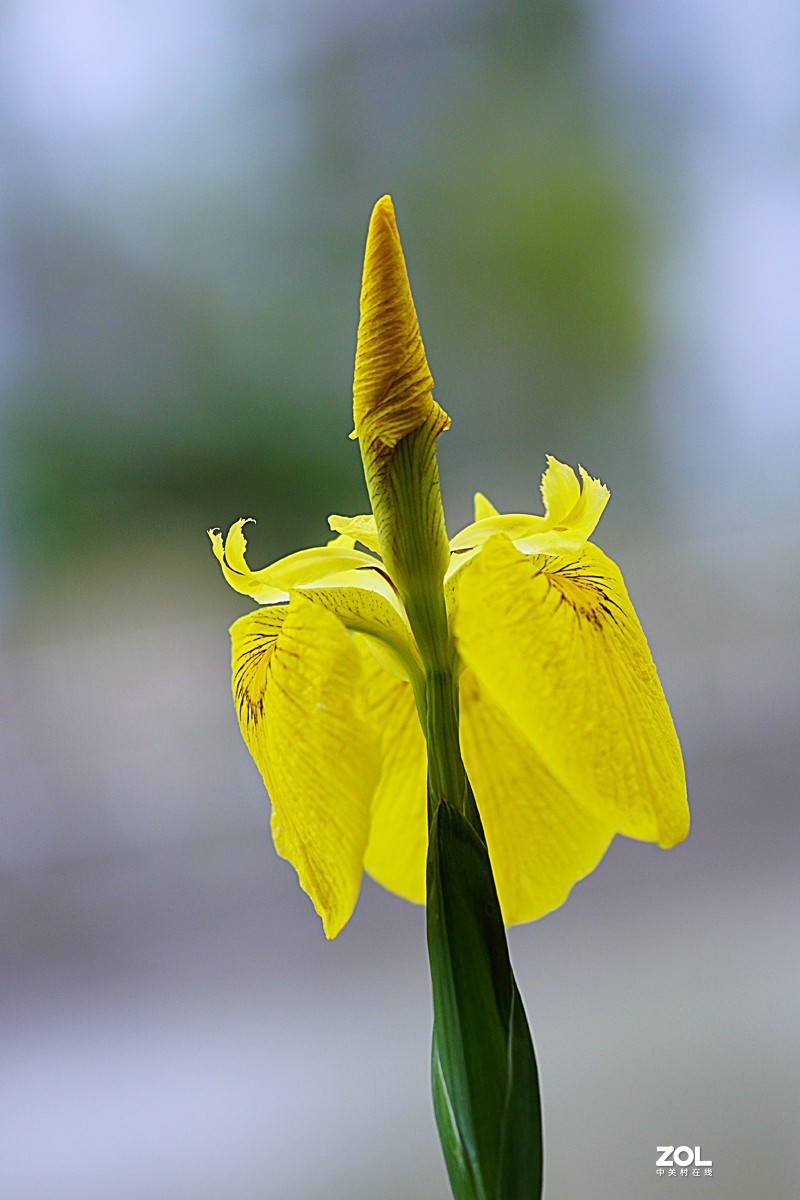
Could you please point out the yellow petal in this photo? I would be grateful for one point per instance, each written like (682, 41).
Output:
(296, 675)
(557, 645)
(392, 386)
(365, 603)
(513, 525)
(540, 840)
(247, 582)
(578, 525)
(271, 585)
(573, 512)
(398, 838)
(360, 529)
(517, 527)
(483, 507)
(463, 547)
(560, 490)
(340, 542)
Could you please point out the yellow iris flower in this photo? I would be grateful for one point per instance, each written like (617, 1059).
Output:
(565, 732)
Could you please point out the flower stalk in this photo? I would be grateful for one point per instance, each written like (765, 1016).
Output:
(483, 1066)
(484, 1076)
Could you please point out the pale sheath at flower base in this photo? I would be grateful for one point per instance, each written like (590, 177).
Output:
(565, 732)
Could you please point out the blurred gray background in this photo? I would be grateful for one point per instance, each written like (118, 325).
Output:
(600, 205)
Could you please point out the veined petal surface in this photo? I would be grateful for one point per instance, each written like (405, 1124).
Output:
(296, 684)
(365, 603)
(541, 841)
(555, 642)
(398, 837)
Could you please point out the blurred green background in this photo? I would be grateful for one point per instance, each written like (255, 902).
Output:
(600, 208)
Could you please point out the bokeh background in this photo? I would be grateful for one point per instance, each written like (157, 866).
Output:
(600, 205)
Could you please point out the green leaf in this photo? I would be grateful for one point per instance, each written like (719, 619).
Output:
(485, 1082)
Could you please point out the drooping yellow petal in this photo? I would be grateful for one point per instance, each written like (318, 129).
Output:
(540, 840)
(392, 386)
(398, 837)
(296, 677)
(271, 585)
(360, 529)
(557, 645)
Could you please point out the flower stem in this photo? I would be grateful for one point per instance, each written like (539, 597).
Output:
(484, 1074)
(485, 1086)
(483, 1066)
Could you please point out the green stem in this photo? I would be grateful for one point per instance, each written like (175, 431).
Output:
(447, 778)
(484, 1076)
(485, 1085)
